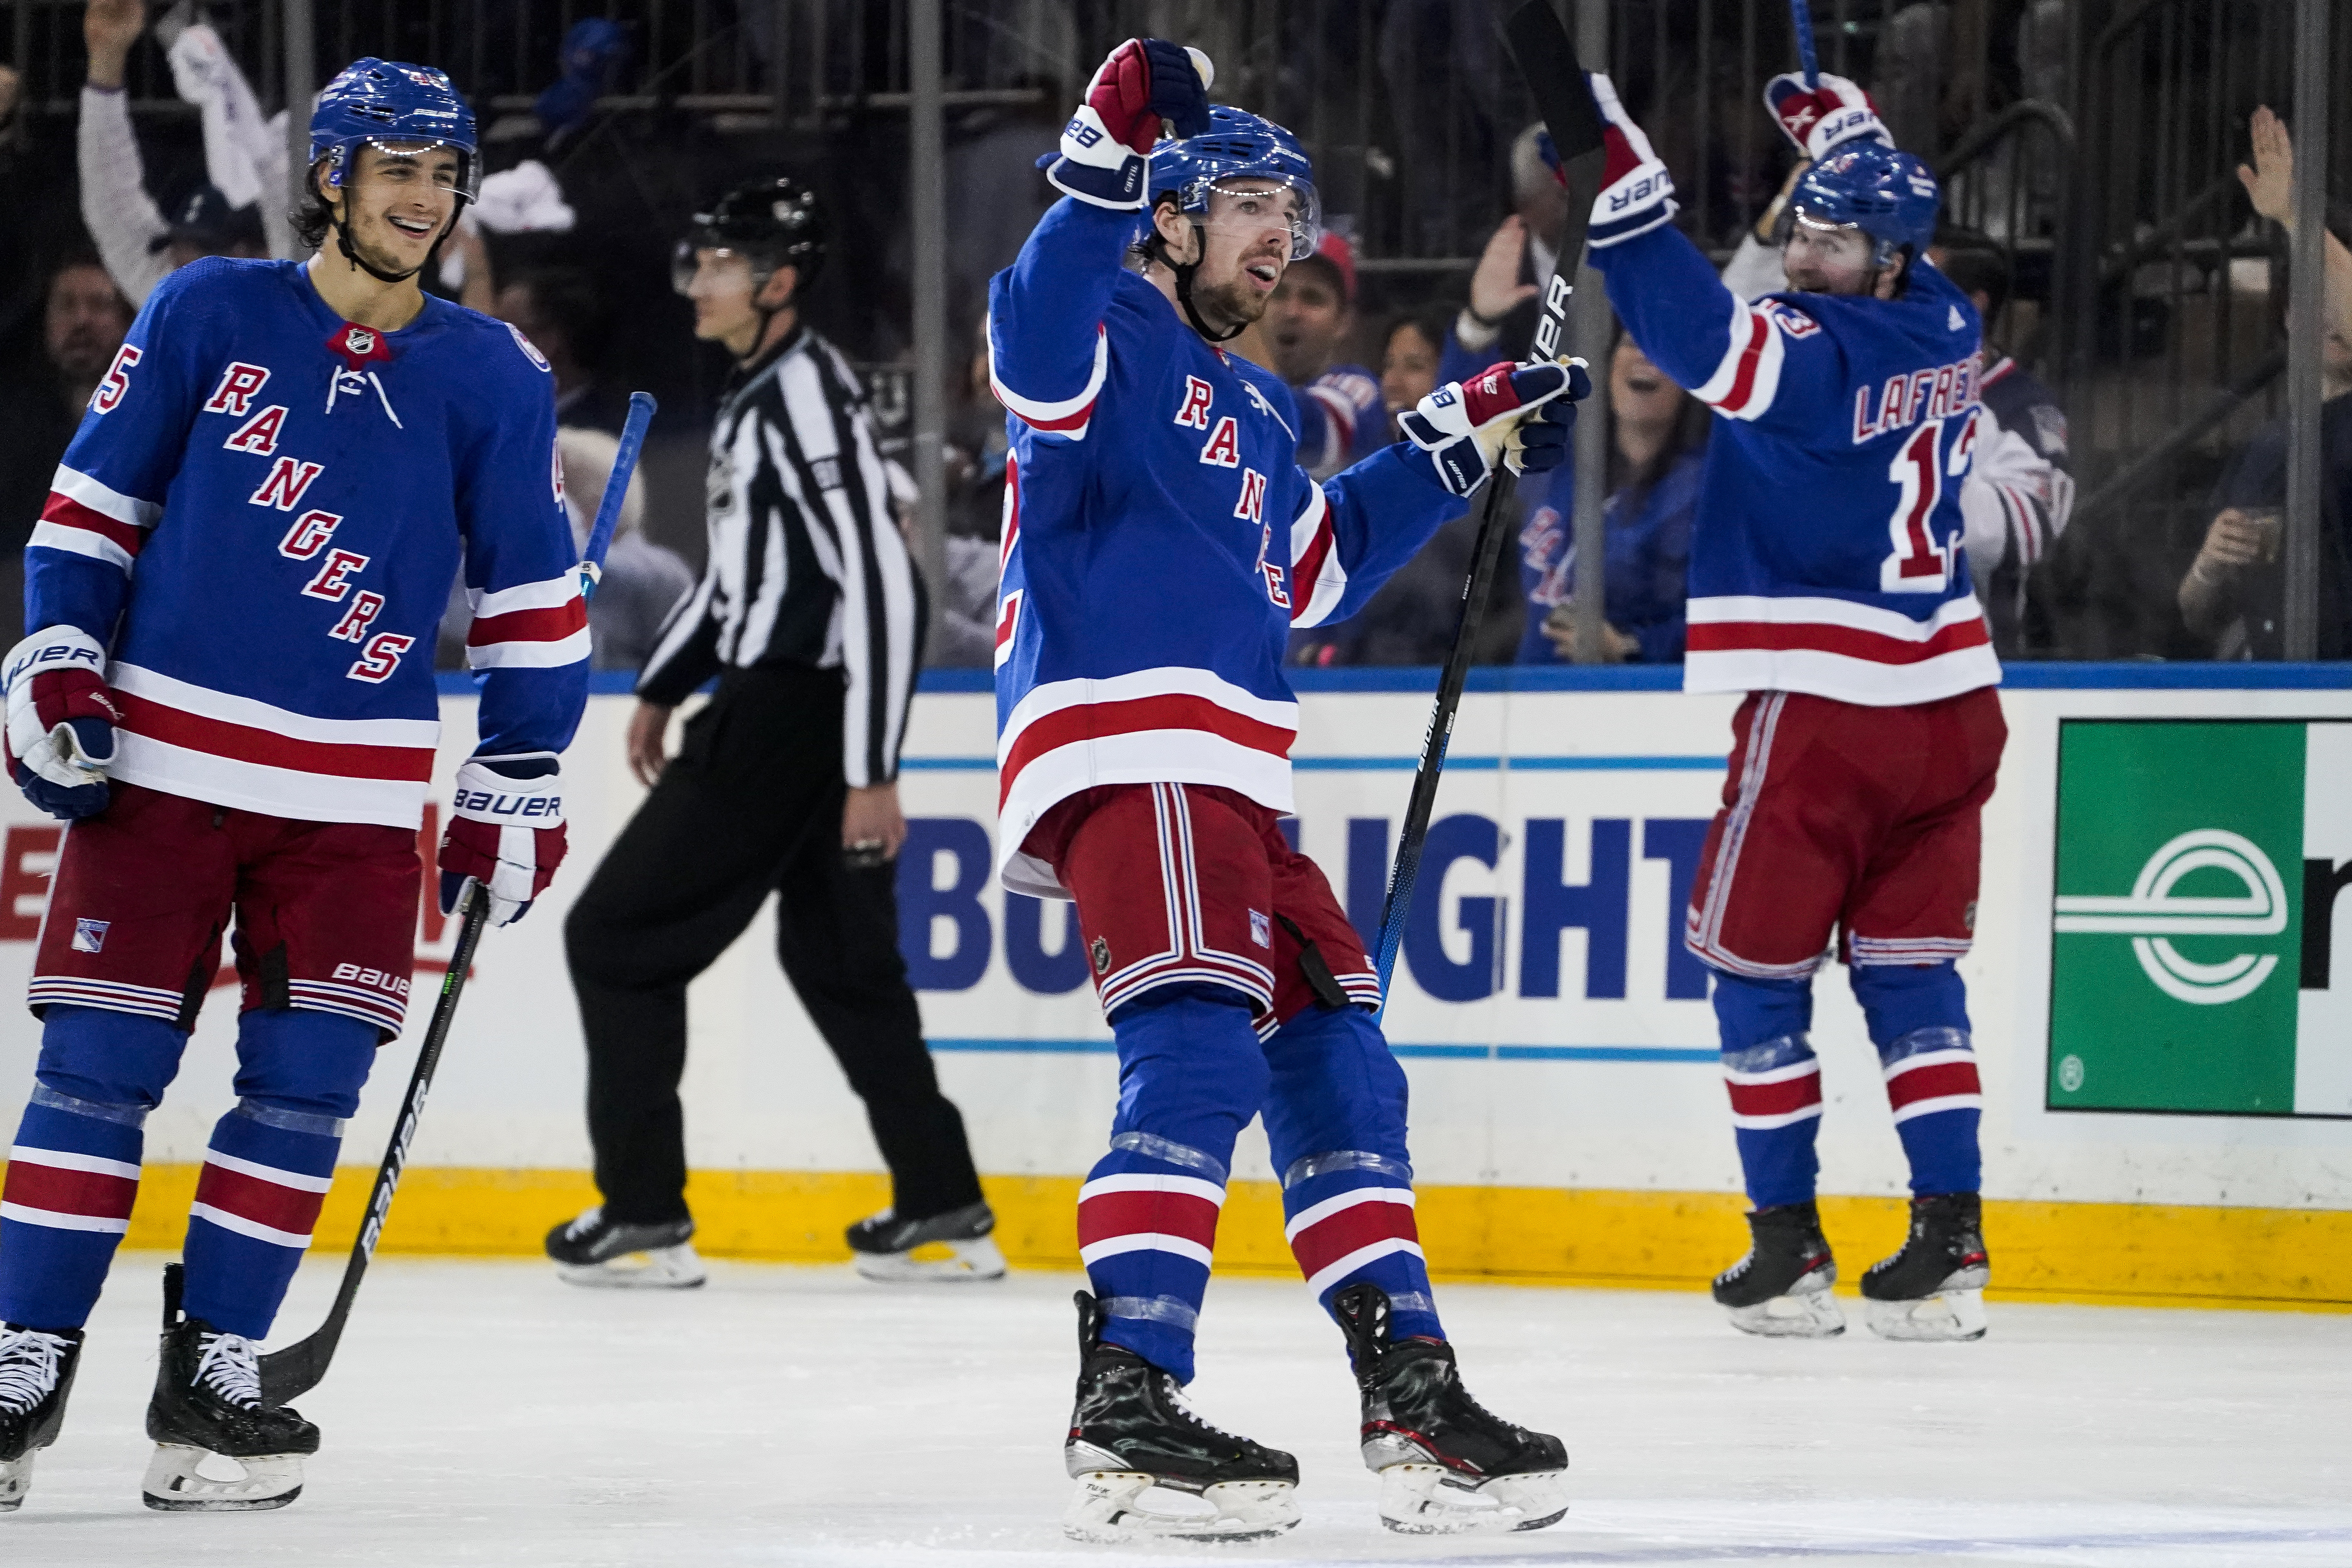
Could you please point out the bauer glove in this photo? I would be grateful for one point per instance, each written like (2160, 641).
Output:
(1518, 415)
(61, 721)
(1106, 145)
(505, 835)
(1637, 195)
(1820, 119)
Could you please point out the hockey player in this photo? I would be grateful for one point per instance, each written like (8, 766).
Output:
(229, 693)
(1828, 581)
(1160, 540)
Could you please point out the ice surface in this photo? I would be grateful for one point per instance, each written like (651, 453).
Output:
(483, 1412)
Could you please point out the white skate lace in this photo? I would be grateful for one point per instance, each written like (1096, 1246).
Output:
(585, 1224)
(28, 1367)
(1184, 1409)
(231, 1366)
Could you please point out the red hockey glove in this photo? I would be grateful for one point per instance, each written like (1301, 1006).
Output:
(1519, 414)
(505, 834)
(1637, 195)
(1107, 142)
(1820, 119)
(61, 720)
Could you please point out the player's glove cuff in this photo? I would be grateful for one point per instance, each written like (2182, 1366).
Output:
(61, 720)
(1820, 119)
(505, 833)
(1637, 193)
(1095, 166)
(1467, 426)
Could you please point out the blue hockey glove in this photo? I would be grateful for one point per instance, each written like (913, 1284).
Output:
(61, 720)
(1518, 415)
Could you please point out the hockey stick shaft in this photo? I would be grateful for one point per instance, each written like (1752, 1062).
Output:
(617, 490)
(1800, 13)
(1546, 58)
(294, 1371)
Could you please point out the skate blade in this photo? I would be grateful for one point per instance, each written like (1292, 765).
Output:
(176, 1483)
(662, 1268)
(1430, 1500)
(15, 1480)
(1811, 1315)
(965, 1262)
(1108, 1511)
(1950, 1314)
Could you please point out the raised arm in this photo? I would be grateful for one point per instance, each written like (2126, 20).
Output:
(115, 205)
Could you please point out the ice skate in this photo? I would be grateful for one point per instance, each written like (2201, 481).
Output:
(37, 1374)
(1446, 1464)
(948, 1248)
(595, 1251)
(218, 1448)
(1131, 1435)
(1934, 1288)
(1781, 1288)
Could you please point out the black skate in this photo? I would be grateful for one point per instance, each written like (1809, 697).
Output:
(593, 1250)
(1934, 1288)
(1132, 1433)
(884, 1245)
(37, 1374)
(1445, 1463)
(207, 1409)
(1781, 1288)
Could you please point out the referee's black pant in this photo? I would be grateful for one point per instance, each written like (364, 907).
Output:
(750, 804)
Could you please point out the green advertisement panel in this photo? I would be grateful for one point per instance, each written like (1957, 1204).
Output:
(2187, 973)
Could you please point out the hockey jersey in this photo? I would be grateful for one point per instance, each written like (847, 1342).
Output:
(261, 516)
(1827, 554)
(1161, 540)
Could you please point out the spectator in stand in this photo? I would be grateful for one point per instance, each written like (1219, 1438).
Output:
(139, 245)
(1410, 352)
(641, 580)
(2234, 593)
(1500, 321)
(2019, 493)
(1306, 324)
(562, 312)
(1658, 443)
(82, 323)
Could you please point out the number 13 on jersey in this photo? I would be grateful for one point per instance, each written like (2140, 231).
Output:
(1924, 469)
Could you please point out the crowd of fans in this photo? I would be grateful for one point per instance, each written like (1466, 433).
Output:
(1352, 370)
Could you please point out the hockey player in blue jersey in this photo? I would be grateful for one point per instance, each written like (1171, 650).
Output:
(1159, 542)
(229, 692)
(1828, 583)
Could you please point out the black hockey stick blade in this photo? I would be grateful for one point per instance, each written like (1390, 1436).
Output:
(1546, 58)
(293, 1372)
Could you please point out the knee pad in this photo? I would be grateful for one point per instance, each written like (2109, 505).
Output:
(1900, 999)
(1187, 1055)
(1336, 1086)
(300, 1063)
(121, 1062)
(1751, 1012)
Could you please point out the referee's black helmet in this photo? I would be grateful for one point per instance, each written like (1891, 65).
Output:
(773, 222)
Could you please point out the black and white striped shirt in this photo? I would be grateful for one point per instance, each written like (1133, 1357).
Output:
(806, 565)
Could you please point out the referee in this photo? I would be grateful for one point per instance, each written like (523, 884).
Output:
(810, 614)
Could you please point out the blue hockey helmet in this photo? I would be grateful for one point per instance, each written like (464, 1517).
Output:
(1887, 194)
(392, 101)
(1236, 146)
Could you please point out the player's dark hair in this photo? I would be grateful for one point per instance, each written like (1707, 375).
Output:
(310, 216)
(1151, 250)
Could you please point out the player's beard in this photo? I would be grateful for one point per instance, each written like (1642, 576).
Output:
(1231, 303)
(378, 257)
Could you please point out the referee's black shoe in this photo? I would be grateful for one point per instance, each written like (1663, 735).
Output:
(956, 1247)
(595, 1250)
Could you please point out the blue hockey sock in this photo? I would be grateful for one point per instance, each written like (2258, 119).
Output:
(74, 1170)
(271, 1161)
(1336, 1123)
(1918, 1019)
(1191, 1077)
(1775, 1084)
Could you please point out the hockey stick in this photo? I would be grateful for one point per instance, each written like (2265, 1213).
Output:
(294, 1371)
(1801, 13)
(1546, 58)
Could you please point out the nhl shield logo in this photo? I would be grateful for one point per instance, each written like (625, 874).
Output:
(89, 936)
(1100, 952)
(357, 345)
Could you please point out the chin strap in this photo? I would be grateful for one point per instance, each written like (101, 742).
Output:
(350, 252)
(1185, 271)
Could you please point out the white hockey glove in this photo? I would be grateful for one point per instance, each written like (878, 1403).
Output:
(505, 833)
(1106, 145)
(1820, 119)
(1637, 193)
(61, 720)
(1518, 415)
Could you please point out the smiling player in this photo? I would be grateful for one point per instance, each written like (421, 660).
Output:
(235, 584)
